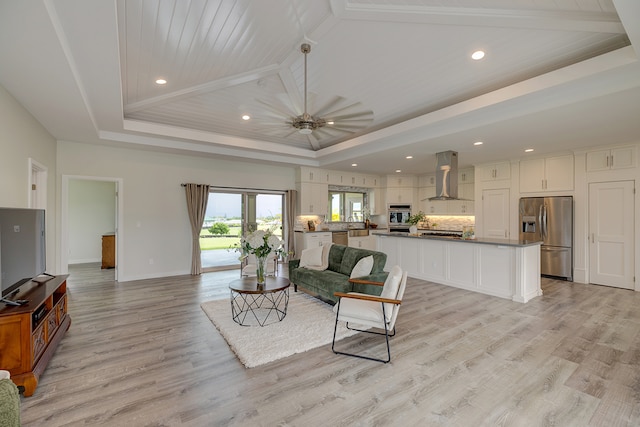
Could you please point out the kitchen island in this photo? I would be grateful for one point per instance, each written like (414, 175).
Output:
(499, 267)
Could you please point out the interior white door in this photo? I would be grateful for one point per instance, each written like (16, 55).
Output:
(495, 213)
(611, 233)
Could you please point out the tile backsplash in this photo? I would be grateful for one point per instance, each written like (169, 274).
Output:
(451, 222)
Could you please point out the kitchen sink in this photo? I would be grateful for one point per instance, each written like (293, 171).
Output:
(358, 233)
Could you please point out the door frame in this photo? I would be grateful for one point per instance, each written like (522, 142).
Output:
(63, 259)
(38, 181)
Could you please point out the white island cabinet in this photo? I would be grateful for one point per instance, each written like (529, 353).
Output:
(499, 267)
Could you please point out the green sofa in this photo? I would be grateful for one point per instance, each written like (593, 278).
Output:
(335, 278)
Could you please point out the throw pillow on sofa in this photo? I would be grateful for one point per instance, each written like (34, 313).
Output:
(362, 267)
(311, 257)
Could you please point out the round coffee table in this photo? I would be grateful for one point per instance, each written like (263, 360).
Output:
(253, 304)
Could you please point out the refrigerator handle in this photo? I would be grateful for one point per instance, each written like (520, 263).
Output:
(540, 222)
(545, 232)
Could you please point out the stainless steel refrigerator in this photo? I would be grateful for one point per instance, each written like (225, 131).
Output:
(550, 220)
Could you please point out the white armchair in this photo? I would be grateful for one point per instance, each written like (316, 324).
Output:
(250, 265)
(378, 312)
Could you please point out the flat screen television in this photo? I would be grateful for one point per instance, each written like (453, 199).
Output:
(22, 247)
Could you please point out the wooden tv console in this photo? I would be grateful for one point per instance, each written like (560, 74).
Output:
(29, 334)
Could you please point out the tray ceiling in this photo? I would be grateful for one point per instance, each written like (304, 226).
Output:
(406, 61)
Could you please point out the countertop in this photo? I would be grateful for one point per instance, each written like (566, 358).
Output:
(371, 230)
(479, 240)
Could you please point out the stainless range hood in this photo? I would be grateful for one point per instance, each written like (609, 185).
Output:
(446, 176)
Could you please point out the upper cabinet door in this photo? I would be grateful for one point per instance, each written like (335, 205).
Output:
(498, 171)
(543, 175)
(615, 158)
(559, 173)
(531, 175)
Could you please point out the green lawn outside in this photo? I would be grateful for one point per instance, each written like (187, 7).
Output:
(219, 242)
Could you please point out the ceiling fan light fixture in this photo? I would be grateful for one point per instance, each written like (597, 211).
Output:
(305, 129)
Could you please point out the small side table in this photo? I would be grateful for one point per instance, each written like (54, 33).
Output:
(253, 304)
(109, 250)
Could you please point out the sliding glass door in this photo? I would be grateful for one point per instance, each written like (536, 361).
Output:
(232, 214)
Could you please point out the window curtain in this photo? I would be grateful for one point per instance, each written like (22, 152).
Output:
(290, 217)
(197, 198)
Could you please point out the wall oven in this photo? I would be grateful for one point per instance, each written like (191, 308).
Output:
(398, 217)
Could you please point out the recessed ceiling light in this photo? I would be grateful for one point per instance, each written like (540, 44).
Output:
(246, 117)
(398, 171)
(330, 122)
(354, 164)
(161, 82)
(409, 157)
(478, 143)
(477, 55)
(528, 150)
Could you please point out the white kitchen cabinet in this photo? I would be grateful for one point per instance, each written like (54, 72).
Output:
(497, 171)
(306, 174)
(342, 178)
(509, 270)
(370, 181)
(377, 201)
(460, 207)
(466, 191)
(397, 195)
(352, 179)
(363, 242)
(546, 174)
(465, 176)
(401, 189)
(431, 207)
(313, 198)
(615, 158)
(306, 240)
(335, 178)
(400, 181)
(495, 213)
(423, 198)
(427, 180)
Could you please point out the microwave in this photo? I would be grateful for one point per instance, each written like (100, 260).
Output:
(398, 216)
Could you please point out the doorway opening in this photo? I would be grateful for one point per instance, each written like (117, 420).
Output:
(91, 210)
(232, 214)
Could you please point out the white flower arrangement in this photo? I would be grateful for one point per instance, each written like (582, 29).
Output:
(259, 243)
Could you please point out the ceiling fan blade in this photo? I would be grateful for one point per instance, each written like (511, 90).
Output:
(346, 127)
(279, 110)
(363, 117)
(315, 144)
(330, 132)
(352, 110)
(329, 106)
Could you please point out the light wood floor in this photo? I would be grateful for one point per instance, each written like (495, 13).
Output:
(144, 354)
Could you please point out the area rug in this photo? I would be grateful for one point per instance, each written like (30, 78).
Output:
(308, 324)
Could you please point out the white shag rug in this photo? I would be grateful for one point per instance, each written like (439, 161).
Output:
(308, 324)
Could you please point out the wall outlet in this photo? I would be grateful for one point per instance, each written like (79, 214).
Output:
(150, 261)
(16, 228)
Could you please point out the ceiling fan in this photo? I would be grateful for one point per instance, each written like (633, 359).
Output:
(335, 118)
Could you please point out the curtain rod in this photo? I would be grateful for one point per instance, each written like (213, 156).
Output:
(212, 187)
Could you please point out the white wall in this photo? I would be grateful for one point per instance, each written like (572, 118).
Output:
(155, 237)
(91, 213)
(23, 137)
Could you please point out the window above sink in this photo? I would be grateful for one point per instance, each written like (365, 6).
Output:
(347, 205)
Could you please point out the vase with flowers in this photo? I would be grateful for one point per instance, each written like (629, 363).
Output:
(259, 243)
(415, 219)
